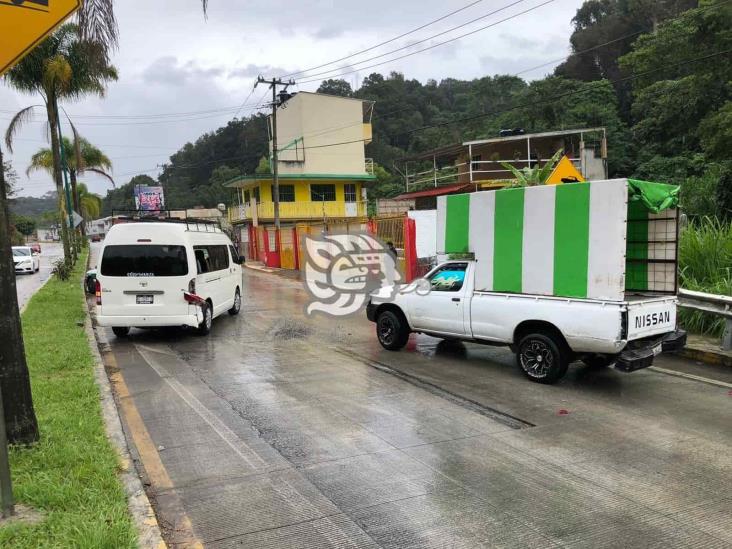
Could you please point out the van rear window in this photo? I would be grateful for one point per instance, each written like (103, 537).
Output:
(144, 260)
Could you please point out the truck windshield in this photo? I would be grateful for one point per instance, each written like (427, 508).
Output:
(144, 260)
(448, 278)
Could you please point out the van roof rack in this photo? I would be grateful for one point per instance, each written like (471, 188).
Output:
(164, 216)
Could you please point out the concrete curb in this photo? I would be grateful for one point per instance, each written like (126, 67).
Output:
(148, 530)
(706, 356)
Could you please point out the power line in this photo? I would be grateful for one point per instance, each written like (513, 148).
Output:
(233, 108)
(433, 45)
(423, 40)
(384, 42)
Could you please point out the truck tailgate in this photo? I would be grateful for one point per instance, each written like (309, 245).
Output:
(651, 316)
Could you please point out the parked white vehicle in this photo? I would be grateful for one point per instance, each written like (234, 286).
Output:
(579, 271)
(153, 274)
(546, 333)
(25, 260)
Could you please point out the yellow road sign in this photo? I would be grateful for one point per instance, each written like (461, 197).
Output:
(24, 23)
(564, 170)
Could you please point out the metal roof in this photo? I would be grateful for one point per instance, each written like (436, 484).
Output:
(457, 148)
(531, 136)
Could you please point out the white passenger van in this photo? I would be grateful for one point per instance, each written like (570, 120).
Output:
(166, 273)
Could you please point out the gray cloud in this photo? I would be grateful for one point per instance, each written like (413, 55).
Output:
(169, 71)
(325, 33)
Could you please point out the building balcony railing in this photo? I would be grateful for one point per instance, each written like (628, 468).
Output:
(298, 210)
(477, 171)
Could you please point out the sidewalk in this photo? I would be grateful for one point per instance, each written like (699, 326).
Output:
(706, 349)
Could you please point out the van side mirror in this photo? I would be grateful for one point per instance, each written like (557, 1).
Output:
(241, 260)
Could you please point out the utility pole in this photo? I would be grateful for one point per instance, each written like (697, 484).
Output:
(275, 171)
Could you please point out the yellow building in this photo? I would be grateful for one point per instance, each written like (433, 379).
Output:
(323, 176)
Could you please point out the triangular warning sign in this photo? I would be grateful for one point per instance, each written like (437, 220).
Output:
(564, 172)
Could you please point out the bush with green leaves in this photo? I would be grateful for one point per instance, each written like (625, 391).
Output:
(705, 265)
(530, 177)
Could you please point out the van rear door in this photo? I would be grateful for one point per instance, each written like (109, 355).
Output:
(144, 280)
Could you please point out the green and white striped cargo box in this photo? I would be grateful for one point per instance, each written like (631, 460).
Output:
(563, 240)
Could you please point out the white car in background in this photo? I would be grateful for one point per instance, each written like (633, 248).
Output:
(25, 260)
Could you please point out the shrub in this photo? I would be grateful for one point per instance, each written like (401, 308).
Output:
(62, 269)
(705, 265)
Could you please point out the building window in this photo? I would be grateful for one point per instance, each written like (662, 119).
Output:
(255, 193)
(246, 197)
(350, 192)
(322, 193)
(476, 158)
(287, 193)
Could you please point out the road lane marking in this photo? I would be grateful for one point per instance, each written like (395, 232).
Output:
(146, 448)
(221, 429)
(692, 377)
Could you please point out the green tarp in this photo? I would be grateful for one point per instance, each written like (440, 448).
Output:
(656, 197)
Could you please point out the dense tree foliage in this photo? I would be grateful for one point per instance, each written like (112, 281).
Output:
(34, 206)
(24, 225)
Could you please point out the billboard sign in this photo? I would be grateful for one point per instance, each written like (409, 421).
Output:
(149, 199)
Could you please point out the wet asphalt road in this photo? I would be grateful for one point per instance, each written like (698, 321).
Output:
(28, 284)
(281, 431)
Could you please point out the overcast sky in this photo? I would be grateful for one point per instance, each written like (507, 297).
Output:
(171, 60)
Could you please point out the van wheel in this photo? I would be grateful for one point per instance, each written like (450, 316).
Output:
(121, 331)
(542, 358)
(237, 304)
(600, 361)
(205, 326)
(392, 331)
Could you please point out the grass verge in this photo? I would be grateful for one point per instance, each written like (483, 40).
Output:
(71, 473)
(705, 265)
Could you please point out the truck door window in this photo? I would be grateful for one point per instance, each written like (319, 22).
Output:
(448, 278)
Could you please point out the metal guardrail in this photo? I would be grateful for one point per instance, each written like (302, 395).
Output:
(709, 303)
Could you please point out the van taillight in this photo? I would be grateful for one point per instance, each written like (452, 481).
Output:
(192, 286)
(98, 292)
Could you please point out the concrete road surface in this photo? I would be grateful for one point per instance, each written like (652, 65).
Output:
(29, 284)
(282, 431)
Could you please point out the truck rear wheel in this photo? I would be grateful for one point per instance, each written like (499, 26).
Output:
(542, 358)
(392, 330)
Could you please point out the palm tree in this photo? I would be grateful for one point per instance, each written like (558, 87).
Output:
(80, 156)
(62, 67)
(90, 204)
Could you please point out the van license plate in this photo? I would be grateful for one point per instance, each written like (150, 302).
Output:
(144, 299)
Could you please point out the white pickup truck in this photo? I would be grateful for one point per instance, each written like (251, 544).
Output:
(547, 333)
(582, 271)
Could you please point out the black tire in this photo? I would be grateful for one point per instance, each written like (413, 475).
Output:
(600, 361)
(205, 326)
(391, 330)
(237, 304)
(121, 331)
(542, 357)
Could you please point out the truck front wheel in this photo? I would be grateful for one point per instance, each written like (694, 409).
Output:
(542, 358)
(392, 330)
